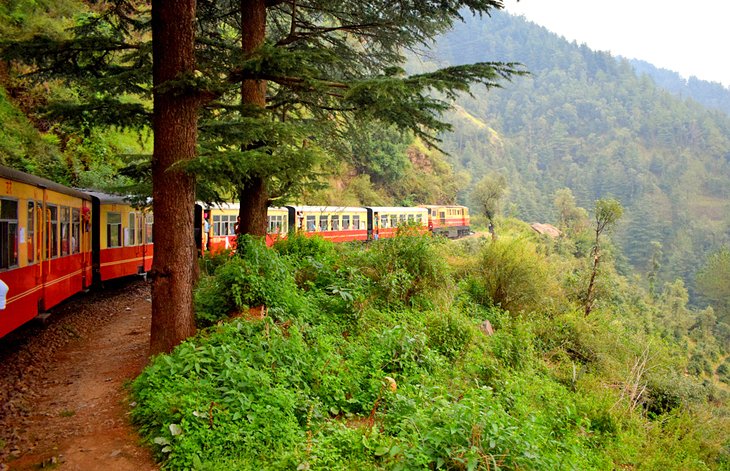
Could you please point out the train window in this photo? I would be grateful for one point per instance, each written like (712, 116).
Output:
(336, 223)
(276, 224)
(401, 218)
(410, 218)
(384, 221)
(393, 220)
(149, 220)
(30, 229)
(53, 229)
(356, 222)
(419, 218)
(75, 230)
(113, 230)
(8, 233)
(324, 223)
(311, 223)
(345, 222)
(216, 225)
(130, 230)
(65, 231)
(140, 228)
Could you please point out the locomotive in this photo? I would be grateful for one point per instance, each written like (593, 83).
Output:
(56, 241)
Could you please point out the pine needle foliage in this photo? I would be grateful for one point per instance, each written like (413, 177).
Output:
(327, 65)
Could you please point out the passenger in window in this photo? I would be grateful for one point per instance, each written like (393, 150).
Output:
(206, 231)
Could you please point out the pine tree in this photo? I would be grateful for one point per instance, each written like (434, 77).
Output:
(309, 69)
(175, 127)
(280, 81)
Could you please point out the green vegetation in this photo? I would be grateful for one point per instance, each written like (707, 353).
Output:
(376, 356)
(584, 120)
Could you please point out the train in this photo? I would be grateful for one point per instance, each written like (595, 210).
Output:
(57, 241)
(334, 223)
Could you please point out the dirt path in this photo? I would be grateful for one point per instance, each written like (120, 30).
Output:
(64, 401)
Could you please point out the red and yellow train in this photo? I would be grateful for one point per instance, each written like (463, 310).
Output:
(56, 241)
(335, 223)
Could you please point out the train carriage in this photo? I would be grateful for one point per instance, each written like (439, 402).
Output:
(122, 237)
(217, 226)
(383, 221)
(45, 246)
(335, 223)
(448, 220)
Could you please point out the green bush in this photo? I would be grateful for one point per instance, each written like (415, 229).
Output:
(668, 391)
(405, 270)
(449, 332)
(355, 368)
(313, 259)
(512, 274)
(255, 276)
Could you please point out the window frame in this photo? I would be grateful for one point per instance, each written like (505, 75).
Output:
(9, 254)
(117, 230)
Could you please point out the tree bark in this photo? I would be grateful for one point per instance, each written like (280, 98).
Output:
(253, 195)
(175, 125)
(592, 282)
(253, 213)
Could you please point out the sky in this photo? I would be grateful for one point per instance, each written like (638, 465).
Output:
(691, 38)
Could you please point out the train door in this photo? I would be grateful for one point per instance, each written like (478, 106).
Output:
(198, 229)
(95, 240)
(82, 230)
(44, 241)
(141, 218)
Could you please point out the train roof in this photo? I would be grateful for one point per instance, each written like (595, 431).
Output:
(396, 209)
(329, 209)
(442, 206)
(18, 176)
(207, 206)
(107, 198)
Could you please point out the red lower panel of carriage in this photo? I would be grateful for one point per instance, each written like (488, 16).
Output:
(41, 286)
(124, 261)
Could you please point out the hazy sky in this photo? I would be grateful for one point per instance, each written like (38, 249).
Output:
(688, 37)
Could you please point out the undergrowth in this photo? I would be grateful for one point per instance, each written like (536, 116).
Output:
(378, 356)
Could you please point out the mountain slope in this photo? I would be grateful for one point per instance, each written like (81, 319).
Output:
(586, 121)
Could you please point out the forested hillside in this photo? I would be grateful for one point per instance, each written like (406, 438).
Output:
(415, 352)
(711, 94)
(584, 120)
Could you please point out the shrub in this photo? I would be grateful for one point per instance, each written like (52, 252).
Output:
(406, 270)
(313, 259)
(513, 275)
(255, 276)
(449, 333)
(668, 391)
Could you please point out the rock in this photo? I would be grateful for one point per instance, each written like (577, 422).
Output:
(486, 328)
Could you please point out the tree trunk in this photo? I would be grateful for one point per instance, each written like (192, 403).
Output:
(254, 199)
(592, 283)
(175, 125)
(253, 195)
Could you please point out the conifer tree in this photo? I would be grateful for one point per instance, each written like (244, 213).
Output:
(311, 68)
(175, 126)
(108, 62)
(280, 81)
